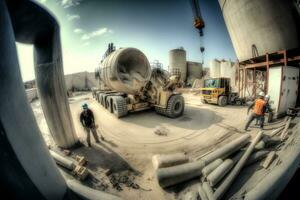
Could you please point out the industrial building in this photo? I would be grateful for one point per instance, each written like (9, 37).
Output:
(220, 129)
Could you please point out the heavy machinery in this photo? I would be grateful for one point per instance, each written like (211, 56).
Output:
(218, 91)
(131, 85)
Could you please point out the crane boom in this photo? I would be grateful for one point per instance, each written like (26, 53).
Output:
(198, 20)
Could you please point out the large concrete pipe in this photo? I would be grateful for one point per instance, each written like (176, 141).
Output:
(176, 174)
(125, 70)
(27, 169)
(260, 26)
(34, 25)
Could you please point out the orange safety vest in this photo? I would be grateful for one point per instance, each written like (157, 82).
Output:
(259, 106)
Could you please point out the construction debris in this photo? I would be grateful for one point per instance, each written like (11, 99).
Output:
(62, 161)
(168, 160)
(161, 131)
(237, 168)
(208, 191)
(81, 160)
(202, 193)
(176, 174)
(216, 175)
(125, 178)
(211, 167)
(80, 172)
(285, 130)
(271, 156)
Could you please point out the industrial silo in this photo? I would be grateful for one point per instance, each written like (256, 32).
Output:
(214, 68)
(194, 71)
(257, 27)
(228, 70)
(177, 62)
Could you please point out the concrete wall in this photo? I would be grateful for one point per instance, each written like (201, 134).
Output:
(81, 81)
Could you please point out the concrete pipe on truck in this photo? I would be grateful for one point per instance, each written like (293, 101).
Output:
(125, 70)
(260, 26)
(177, 63)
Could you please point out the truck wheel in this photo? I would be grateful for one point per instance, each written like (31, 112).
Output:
(119, 106)
(109, 103)
(175, 106)
(222, 101)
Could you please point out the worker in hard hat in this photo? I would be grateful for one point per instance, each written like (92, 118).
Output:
(259, 109)
(88, 122)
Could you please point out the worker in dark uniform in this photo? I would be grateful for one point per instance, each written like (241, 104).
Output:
(259, 109)
(88, 122)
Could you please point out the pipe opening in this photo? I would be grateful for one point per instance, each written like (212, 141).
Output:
(133, 67)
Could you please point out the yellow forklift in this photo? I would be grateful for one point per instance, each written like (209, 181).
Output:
(218, 91)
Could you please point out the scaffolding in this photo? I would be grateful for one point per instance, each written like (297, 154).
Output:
(262, 64)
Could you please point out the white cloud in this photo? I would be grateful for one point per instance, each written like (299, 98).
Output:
(78, 30)
(73, 17)
(70, 3)
(42, 1)
(96, 33)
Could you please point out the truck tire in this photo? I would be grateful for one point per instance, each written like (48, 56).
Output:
(104, 100)
(119, 106)
(109, 103)
(222, 101)
(175, 107)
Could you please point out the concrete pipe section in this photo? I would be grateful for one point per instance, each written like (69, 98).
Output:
(34, 25)
(125, 70)
(27, 170)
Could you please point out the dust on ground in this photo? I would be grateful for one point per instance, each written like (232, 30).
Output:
(121, 164)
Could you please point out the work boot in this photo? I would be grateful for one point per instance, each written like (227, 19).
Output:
(89, 145)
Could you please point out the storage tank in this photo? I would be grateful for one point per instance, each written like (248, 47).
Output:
(125, 70)
(194, 71)
(228, 70)
(257, 27)
(177, 63)
(214, 68)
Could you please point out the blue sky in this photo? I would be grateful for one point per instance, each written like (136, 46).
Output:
(154, 27)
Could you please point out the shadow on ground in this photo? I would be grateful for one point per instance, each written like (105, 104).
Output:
(193, 118)
(102, 156)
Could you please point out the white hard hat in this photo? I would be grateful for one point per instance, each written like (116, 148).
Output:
(262, 94)
(267, 96)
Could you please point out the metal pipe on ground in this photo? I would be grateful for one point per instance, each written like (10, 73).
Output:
(285, 130)
(88, 193)
(176, 174)
(208, 191)
(202, 193)
(271, 186)
(211, 167)
(168, 160)
(62, 161)
(215, 176)
(235, 171)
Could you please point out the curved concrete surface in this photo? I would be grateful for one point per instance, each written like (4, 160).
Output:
(26, 166)
(35, 25)
(125, 70)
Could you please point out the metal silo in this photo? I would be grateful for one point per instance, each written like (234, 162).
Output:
(194, 71)
(257, 27)
(214, 68)
(177, 62)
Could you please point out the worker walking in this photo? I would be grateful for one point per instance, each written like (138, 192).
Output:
(259, 109)
(88, 122)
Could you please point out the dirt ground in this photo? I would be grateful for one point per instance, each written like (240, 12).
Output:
(131, 141)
